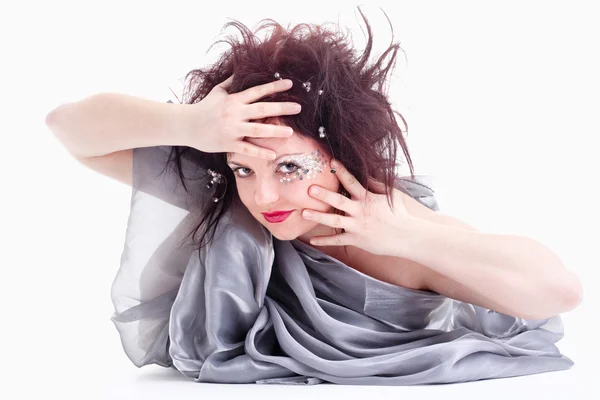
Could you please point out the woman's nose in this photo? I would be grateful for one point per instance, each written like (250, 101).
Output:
(267, 192)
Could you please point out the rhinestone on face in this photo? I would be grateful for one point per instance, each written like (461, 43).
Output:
(311, 165)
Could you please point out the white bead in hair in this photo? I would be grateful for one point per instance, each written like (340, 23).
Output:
(322, 132)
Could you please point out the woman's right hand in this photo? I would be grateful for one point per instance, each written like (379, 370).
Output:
(219, 122)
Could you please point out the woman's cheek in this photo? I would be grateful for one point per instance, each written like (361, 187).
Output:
(295, 193)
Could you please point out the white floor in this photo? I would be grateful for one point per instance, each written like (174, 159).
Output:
(153, 383)
(80, 357)
(79, 377)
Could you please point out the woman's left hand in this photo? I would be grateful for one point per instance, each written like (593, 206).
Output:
(369, 223)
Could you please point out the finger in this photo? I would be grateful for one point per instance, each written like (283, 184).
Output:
(348, 180)
(255, 93)
(264, 110)
(248, 149)
(255, 129)
(333, 199)
(226, 83)
(333, 220)
(342, 239)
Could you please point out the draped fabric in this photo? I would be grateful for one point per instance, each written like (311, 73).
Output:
(250, 308)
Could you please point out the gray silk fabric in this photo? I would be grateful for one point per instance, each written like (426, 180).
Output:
(253, 309)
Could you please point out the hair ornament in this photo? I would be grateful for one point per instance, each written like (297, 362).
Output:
(322, 132)
(216, 178)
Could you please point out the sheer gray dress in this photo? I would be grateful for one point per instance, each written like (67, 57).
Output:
(253, 309)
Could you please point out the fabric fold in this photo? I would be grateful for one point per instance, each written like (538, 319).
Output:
(253, 309)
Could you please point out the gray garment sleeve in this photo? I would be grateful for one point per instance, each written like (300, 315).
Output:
(154, 176)
(157, 250)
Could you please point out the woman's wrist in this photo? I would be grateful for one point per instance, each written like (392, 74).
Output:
(181, 120)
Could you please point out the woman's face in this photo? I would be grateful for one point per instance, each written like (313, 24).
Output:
(282, 184)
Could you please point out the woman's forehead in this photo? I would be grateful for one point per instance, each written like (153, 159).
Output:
(293, 144)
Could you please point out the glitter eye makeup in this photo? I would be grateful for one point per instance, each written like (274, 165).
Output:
(310, 165)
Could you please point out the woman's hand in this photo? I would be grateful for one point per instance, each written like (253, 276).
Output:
(369, 223)
(219, 122)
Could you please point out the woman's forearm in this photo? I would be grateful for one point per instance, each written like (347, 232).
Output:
(107, 122)
(518, 273)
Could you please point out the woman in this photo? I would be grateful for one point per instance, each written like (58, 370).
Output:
(225, 278)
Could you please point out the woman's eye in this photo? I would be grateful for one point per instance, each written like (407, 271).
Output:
(241, 175)
(289, 168)
(286, 168)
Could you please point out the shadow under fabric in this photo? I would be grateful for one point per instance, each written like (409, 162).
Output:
(253, 309)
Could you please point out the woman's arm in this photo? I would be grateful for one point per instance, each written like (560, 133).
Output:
(510, 274)
(105, 123)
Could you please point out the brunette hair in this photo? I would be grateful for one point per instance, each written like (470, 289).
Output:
(354, 109)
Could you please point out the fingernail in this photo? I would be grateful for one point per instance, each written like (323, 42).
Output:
(307, 214)
(272, 156)
(335, 163)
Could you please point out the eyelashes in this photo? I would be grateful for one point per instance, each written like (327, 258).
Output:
(294, 167)
(236, 173)
(290, 166)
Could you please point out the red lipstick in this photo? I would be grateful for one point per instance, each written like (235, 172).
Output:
(277, 216)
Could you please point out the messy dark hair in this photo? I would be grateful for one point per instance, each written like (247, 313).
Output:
(354, 109)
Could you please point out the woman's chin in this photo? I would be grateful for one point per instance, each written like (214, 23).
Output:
(283, 234)
(290, 232)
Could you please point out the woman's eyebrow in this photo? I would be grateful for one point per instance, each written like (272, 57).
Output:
(269, 163)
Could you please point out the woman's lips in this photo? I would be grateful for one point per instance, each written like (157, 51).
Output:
(278, 216)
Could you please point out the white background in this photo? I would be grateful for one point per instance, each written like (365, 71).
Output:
(502, 103)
